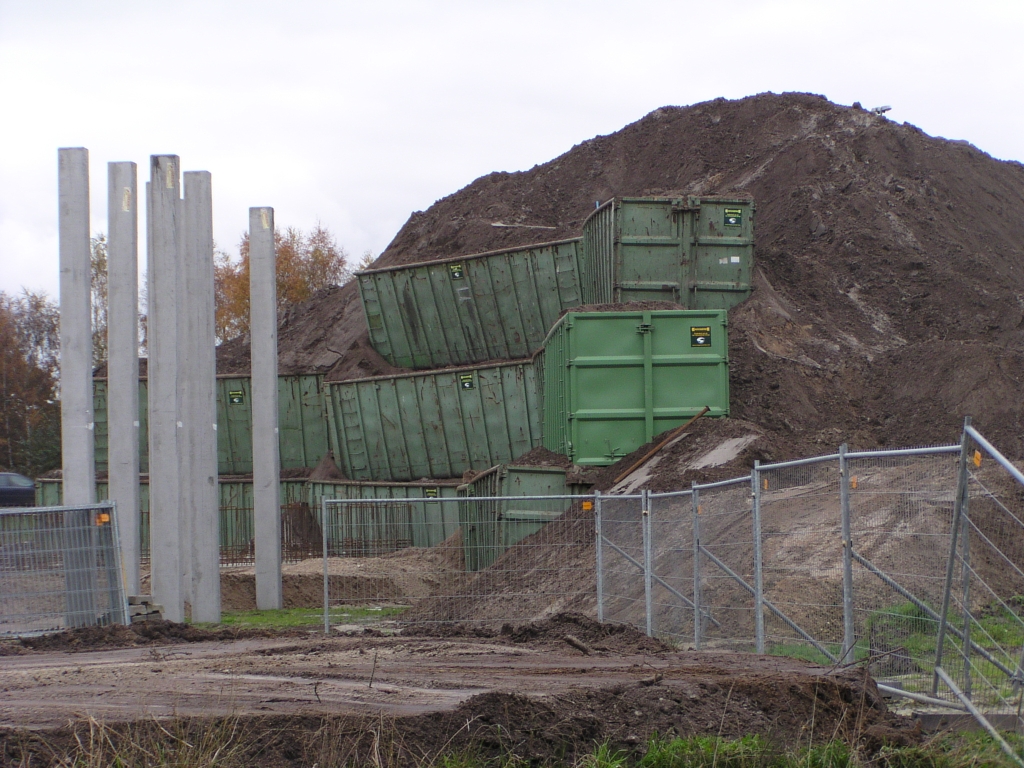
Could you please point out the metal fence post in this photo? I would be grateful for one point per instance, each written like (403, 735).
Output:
(965, 559)
(599, 556)
(849, 634)
(958, 505)
(645, 527)
(755, 478)
(698, 611)
(116, 593)
(327, 592)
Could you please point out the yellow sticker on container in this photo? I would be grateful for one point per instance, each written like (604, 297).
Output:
(102, 518)
(977, 458)
(587, 506)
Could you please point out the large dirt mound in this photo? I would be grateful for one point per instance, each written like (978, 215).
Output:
(889, 288)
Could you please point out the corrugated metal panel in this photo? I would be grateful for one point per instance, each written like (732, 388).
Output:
(435, 424)
(597, 256)
(432, 521)
(491, 527)
(614, 380)
(697, 252)
(301, 413)
(491, 306)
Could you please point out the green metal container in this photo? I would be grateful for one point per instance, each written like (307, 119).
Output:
(302, 420)
(435, 424)
(491, 527)
(470, 309)
(236, 518)
(430, 521)
(697, 252)
(614, 380)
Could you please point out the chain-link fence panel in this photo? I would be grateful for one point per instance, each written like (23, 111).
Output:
(510, 559)
(901, 510)
(802, 563)
(727, 576)
(982, 639)
(60, 569)
(672, 556)
(622, 557)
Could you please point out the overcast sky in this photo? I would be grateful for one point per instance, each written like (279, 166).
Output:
(355, 114)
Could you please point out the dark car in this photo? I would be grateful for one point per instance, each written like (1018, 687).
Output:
(16, 490)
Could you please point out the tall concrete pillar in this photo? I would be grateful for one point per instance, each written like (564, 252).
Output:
(197, 374)
(123, 360)
(79, 471)
(266, 465)
(79, 474)
(164, 491)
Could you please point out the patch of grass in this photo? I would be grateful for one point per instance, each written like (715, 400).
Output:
(308, 618)
(803, 651)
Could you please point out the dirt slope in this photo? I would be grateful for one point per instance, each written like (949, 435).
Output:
(889, 288)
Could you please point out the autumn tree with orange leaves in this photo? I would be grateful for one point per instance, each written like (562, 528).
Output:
(306, 263)
(29, 362)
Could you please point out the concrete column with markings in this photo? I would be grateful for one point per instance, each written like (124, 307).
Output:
(197, 374)
(265, 451)
(123, 360)
(77, 421)
(164, 406)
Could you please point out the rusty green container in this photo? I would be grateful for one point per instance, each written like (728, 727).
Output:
(697, 251)
(497, 305)
(302, 420)
(430, 520)
(434, 424)
(491, 527)
(611, 381)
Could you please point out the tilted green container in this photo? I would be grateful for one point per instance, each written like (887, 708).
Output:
(235, 516)
(434, 424)
(614, 380)
(470, 309)
(697, 252)
(491, 527)
(431, 521)
(302, 420)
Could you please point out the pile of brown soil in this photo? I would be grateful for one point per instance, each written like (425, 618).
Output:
(120, 636)
(887, 285)
(790, 707)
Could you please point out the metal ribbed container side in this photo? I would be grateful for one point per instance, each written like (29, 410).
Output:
(434, 424)
(236, 505)
(431, 521)
(614, 380)
(491, 527)
(597, 256)
(302, 423)
(497, 305)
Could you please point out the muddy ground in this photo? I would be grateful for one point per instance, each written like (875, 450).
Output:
(543, 691)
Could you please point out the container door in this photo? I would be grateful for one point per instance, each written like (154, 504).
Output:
(650, 251)
(723, 252)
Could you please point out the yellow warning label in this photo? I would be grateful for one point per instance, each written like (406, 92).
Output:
(977, 458)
